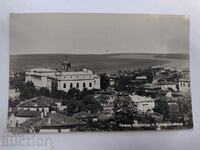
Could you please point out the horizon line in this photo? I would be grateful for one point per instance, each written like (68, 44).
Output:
(91, 53)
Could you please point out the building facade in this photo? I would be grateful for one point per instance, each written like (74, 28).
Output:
(184, 85)
(65, 78)
(143, 103)
(184, 82)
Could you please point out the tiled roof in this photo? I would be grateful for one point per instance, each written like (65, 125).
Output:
(58, 119)
(84, 115)
(38, 102)
(27, 113)
(38, 122)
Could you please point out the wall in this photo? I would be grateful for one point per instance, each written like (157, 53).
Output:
(67, 83)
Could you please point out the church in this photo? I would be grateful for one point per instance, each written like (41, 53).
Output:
(64, 78)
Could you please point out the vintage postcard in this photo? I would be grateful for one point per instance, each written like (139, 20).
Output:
(72, 72)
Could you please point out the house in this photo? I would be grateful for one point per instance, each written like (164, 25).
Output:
(59, 104)
(57, 122)
(150, 86)
(64, 79)
(20, 116)
(111, 82)
(184, 84)
(141, 78)
(13, 94)
(167, 85)
(42, 104)
(143, 103)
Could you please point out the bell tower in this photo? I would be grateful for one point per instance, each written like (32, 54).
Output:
(66, 65)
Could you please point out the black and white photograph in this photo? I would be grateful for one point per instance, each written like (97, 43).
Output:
(98, 72)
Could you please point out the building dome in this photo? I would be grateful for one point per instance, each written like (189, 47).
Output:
(66, 65)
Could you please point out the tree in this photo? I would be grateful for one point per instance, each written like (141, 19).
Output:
(28, 91)
(185, 109)
(44, 92)
(73, 94)
(103, 99)
(89, 103)
(105, 81)
(125, 109)
(162, 107)
(86, 92)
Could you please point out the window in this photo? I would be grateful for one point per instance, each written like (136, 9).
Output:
(84, 84)
(71, 85)
(77, 85)
(90, 84)
(188, 84)
(64, 85)
(37, 109)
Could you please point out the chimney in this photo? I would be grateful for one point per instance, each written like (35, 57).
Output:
(49, 120)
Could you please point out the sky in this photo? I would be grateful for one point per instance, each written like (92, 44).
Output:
(90, 33)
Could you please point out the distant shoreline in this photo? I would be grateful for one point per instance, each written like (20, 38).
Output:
(186, 54)
(98, 63)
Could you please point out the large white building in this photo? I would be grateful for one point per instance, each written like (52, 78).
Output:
(184, 85)
(65, 78)
(184, 82)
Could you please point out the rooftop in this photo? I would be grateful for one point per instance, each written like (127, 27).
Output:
(27, 113)
(84, 115)
(166, 83)
(186, 78)
(150, 86)
(38, 102)
(58, 119)
(42, 70)
(138, 99)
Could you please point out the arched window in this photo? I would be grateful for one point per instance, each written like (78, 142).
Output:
(77, 85)
(90, 84)
(84, 84)
(64, 85)
(71, 85)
